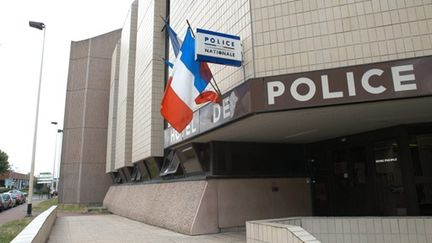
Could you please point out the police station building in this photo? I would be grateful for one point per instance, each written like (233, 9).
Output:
(328, 114)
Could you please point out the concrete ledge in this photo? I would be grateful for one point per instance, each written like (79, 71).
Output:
(342, 229)
(263, 231)
(39, 228)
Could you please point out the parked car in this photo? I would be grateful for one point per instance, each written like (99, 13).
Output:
(5, 201)
(13, 199)
(20, 198)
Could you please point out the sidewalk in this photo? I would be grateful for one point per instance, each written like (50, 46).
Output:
(113, 228)
(18, 212)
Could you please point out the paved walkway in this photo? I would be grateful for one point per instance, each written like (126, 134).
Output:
(113, 228)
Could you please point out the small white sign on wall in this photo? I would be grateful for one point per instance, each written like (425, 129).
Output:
(220, 48)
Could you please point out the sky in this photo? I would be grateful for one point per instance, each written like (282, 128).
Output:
(20, 60)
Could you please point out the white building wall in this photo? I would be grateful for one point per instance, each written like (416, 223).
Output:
(306, 35)
(112, 112)
(126, 90)
(149, 81)
(226, 16)
(278, 36)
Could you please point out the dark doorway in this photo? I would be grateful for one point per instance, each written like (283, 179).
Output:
(350, 181)
(341, 181)
(384, 172)
(421, 152)
(389, 182)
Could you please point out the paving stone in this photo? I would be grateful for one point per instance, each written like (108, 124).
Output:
(113, 228)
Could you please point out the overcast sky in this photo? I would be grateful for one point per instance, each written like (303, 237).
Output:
(20, 57)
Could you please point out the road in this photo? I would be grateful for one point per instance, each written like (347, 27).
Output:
(17, 212)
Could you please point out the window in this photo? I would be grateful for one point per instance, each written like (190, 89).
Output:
(117, 178)
(421, 154)
(388, 179)
(189, 160)
(202, 150)
(139, 172)
(386, 161)
(171, 164)
(262, 159)
(153, 165)
(136, 174)
(143, 171)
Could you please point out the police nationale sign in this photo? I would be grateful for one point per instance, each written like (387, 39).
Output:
(218, 48)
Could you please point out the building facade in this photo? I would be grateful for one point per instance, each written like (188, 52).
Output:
(82, 171)
(329, 115)
(14, 180)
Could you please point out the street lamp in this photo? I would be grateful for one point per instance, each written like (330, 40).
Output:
(55, 157)
(58, 166)
(39, 26)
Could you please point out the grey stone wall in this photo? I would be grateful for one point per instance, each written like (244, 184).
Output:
(82, 170)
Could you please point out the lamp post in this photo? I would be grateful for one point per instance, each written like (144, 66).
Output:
(39, 26)
(55, 157)
(59, 161)
(58, 167)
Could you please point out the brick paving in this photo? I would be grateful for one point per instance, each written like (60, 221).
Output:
(112, 228)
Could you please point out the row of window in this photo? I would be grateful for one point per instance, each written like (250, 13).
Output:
(177, 163)
(219, 159)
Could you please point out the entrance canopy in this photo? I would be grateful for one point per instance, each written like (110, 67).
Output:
(318, 105)
(311, 125)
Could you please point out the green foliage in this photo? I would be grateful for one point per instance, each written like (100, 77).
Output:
(10, 230)
(4, 163)
(72, 208)
(44, 205)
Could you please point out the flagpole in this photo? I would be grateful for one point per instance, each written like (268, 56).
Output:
(215, 84)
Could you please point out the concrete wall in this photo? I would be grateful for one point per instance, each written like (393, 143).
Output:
(38, 230)
(82, 170)
(168, 205)
(112, 112)
(202, 207)
(240, 200)
(149, 81)
(125, 104)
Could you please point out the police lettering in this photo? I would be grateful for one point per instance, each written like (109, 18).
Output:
(220, 42)
(403, 79)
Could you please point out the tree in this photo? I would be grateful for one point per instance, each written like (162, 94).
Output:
(4, 163)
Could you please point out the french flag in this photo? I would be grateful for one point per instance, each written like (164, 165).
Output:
(186, 86)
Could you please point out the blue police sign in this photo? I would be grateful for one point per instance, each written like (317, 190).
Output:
(220, 48)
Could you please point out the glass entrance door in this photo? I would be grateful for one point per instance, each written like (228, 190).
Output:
(389, 183)
(421, 154)
(351, 181)
(385, 172)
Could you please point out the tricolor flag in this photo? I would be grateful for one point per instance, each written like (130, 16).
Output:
(206, 76)
(186, 87)
(175, 41)
(204, 70)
